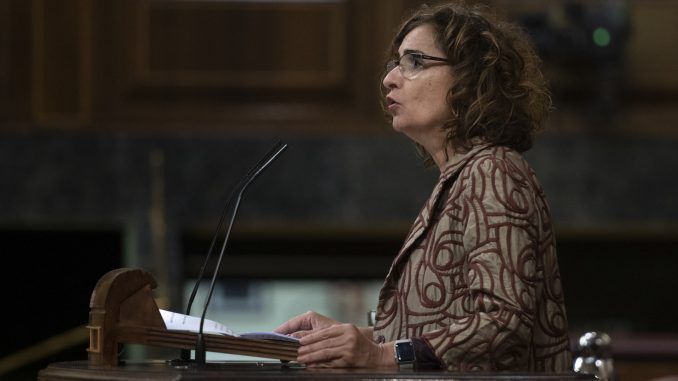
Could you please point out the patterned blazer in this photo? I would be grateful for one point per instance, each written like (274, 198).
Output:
(476, 285)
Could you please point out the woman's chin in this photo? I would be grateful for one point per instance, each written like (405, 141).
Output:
(398, 126)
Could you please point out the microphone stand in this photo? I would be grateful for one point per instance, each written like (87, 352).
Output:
(200, 349)
(277, 148)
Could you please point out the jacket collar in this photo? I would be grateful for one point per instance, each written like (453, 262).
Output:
(454, 165)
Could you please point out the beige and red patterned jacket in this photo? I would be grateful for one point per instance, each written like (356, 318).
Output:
(476, 284)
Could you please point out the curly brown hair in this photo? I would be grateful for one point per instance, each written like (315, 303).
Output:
(499, 93)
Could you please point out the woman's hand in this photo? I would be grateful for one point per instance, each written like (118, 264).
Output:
(304, 324)
(326, 342)
(343, 346)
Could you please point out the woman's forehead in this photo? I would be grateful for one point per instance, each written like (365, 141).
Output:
(420, 39)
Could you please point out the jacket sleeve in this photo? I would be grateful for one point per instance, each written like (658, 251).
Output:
(500, 249)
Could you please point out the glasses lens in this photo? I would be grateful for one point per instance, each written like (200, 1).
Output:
(408, 65)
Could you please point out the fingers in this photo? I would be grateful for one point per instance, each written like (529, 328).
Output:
(307, 321)
(336, 346)
(300, 334)
(324, 334)
(320, 346)
(297, 323)
(285, 328)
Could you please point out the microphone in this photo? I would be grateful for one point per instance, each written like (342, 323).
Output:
(271, 155)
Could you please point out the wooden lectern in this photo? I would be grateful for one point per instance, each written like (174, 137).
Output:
(122, 310)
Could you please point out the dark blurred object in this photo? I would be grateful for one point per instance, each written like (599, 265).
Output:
(371, 318)
(594, 356)
(583, 35)
(584, 45)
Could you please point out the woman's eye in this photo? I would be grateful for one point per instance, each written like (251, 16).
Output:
(417, 61)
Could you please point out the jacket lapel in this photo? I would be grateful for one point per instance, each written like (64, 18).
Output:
(423, 221)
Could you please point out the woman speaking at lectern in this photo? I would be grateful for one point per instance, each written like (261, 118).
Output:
(476, 285)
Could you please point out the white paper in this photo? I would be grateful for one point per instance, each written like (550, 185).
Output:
(180, 322)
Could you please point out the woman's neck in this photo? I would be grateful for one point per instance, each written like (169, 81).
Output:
(441, 155)
(437, 147)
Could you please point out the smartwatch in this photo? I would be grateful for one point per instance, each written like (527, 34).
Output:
(404, 353)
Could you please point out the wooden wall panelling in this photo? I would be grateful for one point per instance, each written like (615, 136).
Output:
(295, 45)
(15, 62)
(4, 57)
(652, 55)
(306, 67)
(246, 67)
(372, 28)
(112, 35)
(62, 61)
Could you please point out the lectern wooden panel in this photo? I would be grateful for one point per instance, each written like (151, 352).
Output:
(122, 310)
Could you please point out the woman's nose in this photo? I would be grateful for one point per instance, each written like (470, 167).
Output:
(391, 79)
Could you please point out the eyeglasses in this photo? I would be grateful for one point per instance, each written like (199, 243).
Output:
(411, 64)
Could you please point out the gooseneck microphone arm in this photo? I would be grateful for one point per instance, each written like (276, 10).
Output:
(200, 349)
(274, 150)
(186, 353)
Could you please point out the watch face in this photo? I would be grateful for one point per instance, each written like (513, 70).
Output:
(405, 351)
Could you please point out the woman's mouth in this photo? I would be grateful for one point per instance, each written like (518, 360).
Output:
(391, 104)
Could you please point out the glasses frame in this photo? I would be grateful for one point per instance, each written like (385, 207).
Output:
(395, 63)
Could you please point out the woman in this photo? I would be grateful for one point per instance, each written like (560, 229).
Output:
(476, 285)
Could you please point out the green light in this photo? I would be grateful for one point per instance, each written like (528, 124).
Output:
(601, 37)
